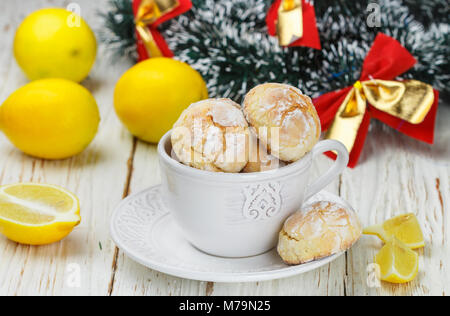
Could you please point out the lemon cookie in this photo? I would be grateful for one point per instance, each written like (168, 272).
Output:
(212, 135)
(318, 231)
(284, 119)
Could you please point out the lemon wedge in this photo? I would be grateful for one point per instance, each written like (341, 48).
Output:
(398, 263)
(37, 214)
(405, 228)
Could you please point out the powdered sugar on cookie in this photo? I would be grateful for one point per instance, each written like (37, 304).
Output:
(319, 230)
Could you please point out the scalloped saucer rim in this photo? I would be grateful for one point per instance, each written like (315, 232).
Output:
(137, 217)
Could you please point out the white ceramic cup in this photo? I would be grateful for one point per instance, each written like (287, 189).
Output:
(240, 215)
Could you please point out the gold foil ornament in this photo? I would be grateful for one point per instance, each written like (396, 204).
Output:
(409, 100)
(147, 14)
(290, 22)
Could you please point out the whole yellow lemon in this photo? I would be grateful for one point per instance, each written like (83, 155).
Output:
(55, 43)
(151, 96)
(50, 118)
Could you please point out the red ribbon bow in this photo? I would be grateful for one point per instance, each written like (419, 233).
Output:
(386, 60)
(183, 6)
(310, 33)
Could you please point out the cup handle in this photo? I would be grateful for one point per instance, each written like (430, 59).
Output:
(337, 168)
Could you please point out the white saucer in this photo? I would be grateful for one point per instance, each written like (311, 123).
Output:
(143, 228)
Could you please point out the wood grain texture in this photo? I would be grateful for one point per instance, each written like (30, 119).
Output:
(97, 177)
(399, 175)
(396, 175)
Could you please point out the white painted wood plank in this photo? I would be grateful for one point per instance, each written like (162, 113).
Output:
(130, 277)
(97, 176)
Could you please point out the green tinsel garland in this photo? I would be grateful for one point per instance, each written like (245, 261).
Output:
(227, 42)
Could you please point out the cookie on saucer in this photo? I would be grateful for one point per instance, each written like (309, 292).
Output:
(318, 231)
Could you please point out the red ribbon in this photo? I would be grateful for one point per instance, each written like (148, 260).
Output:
(310, 33)
(185, 5)
(386, 60)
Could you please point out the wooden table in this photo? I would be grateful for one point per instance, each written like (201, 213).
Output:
(396, 175)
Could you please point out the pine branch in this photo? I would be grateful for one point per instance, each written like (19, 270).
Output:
(429, 11)
(119, 31)
(228, 43)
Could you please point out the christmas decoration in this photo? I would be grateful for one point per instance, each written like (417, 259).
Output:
(227, 41)
(407, 106)
(294, 21)
(429, 12)
(42, 48)
(148, 15)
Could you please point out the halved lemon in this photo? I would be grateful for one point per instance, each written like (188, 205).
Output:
(37, 214)
(398, 263)
(405, 228)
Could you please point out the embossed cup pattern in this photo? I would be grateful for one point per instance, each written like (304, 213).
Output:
(238, 215)
(262, 201)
